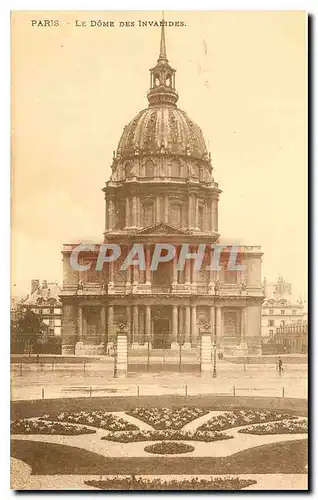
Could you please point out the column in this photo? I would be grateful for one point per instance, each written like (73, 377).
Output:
(206, 351)
(212, 321)
(79, 324)
(174, 326)
(174, 270)
(127, 212)
(135, 271)
(128, 319)
(110, 325)
(134, 211)
(141, 339)
(180, 325)
(214, 215)
(121, 355)
(166, 209)
(157, 209)
(218, 323)
(148, 323)
(205, 217)
(194, 334)
(194, 274)
(197, 213)
(187, 324)
(103, 333)
(111, 212)
(148, 262)
(106, 215)
(138, 212)
(111, 272)
(135, 325)
(84, 324)
(243, 325)
(187, 265)
(190, 211)
(128, 279)
(111, 277)
(211, 216)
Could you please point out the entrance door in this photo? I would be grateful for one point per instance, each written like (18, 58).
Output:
(161, 337)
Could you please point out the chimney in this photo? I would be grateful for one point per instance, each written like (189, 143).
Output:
(34, 285)
(44, 284)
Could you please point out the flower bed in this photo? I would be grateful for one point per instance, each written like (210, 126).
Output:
(167, 418)
(169, 448)
(237, 418)
(99, 419)
(25, 426)
(131, 483)
(168, 434)
(282, 427)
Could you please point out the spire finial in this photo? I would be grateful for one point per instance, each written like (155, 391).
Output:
(162, 54)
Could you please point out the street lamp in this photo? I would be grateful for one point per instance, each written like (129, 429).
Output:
(216, 293)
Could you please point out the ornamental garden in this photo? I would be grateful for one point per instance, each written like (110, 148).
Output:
(186, 433)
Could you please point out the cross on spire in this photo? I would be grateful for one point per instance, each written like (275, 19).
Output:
(162, 54)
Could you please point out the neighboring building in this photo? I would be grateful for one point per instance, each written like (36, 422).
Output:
(161, 190)
(279, 307)
(44, 301)
(293, 337)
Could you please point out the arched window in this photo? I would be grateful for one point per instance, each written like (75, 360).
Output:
(149, 170)
(175, 169)
(157, 80)
(201, 173)
(168, 80)
(176, 215)
(201, 218)
(127, 170)
(147, 214)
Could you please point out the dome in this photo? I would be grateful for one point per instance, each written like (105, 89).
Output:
(162, 127)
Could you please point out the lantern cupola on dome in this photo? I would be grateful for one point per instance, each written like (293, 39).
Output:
(162, 78)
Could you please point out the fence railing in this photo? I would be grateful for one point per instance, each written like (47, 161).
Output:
(47, 392)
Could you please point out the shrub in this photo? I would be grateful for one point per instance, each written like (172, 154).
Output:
(282, 427)
(169, 448)
(25, 426)
(167, 418)
(237, 418)
(99, 419)
(169, 434)
(133, 483)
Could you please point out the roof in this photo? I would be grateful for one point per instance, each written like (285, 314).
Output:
(44, 295)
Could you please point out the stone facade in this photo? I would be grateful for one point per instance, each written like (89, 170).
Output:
(162, 190)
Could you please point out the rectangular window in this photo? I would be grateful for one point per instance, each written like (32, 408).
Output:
(282, 311)
(176, 215)
(201, 218)
(271, 311)
(147, 214)
(271, 322)
(294, 311)
(271, 332)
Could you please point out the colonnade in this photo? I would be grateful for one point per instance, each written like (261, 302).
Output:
(161, 207)
(184, 327)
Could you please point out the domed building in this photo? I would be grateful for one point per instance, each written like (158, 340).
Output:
(161, 190)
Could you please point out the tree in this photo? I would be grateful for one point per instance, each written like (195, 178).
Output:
(30, 329)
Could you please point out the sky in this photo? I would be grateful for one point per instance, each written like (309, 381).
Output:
(241, 76)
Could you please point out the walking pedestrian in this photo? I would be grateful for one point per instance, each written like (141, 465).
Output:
(280, 366)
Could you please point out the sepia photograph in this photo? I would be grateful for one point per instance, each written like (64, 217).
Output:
(159, 250)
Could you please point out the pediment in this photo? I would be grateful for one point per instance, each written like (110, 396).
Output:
(161, 228)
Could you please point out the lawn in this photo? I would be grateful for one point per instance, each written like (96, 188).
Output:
(36, 408)
(287, 457)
